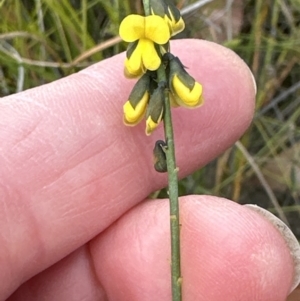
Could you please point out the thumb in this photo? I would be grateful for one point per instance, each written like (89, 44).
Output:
(228, 251)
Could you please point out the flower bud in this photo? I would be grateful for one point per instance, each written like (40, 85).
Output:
(170, 13)
(155, 109)
(185, 90)
(135, 106)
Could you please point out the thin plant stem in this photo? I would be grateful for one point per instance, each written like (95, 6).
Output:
(173, 194)
(176, 279)
(146, 7)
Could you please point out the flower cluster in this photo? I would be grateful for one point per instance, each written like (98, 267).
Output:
(148, 50)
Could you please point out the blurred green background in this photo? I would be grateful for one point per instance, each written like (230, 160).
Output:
(43, 40)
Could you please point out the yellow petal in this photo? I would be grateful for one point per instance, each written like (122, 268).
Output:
(151, 125)
(187, 97)
(150, 57)
(176, 26)
(132, 73)
(133, 116)
(132, 28)
(156, 29)
(134, 64)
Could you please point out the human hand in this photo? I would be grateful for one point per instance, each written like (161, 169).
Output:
(73, 180)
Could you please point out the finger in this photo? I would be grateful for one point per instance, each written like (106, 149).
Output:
(72, 278)
(69, 167)
(228, 253)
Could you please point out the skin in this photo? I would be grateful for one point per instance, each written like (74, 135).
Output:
(73, 182)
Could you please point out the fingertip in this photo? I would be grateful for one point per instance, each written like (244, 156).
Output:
(288, 236)
(235, 249)
(228, 253)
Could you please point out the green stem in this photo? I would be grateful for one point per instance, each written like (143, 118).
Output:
(173, 185)
(146, 5)
(173, 194)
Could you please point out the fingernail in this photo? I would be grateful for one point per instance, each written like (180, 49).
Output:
(254, 81)
(288, 236)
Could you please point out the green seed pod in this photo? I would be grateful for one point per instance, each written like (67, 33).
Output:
(159, 156)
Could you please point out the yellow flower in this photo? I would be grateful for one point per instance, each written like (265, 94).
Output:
(144, 34)
(187, 95)
(185, 91)
(170, 13)
(145, 99)
(135, 107)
